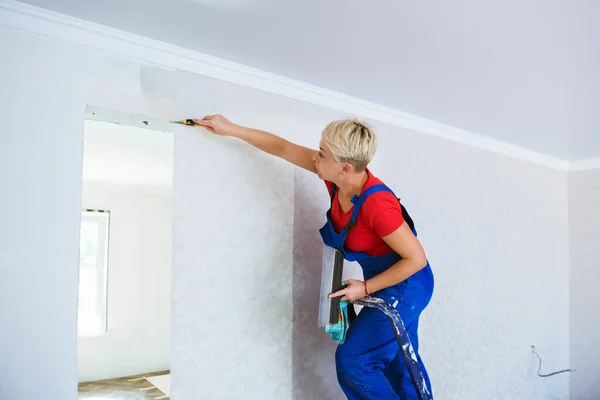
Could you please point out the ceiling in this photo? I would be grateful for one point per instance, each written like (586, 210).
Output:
(126, 155)
(521, 71)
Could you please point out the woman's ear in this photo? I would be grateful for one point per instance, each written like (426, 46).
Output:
(347, 168)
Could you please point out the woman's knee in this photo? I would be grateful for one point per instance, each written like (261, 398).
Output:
(349, 369)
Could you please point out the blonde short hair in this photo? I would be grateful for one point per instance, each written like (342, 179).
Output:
(351, 141)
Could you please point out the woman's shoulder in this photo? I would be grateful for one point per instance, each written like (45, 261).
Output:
(382, 210)
(382, 194)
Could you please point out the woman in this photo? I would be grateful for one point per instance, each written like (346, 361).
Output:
(366, 223)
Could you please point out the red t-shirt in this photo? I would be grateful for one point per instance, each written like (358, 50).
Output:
(379, 216)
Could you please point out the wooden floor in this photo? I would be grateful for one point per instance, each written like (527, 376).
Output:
(125, 388)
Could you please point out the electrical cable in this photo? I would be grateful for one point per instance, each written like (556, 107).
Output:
(540, 366)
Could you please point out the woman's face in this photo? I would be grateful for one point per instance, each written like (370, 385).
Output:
(327, 168)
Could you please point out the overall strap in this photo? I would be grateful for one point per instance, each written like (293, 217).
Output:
(333, 190)
(358, 202)
(350, 224)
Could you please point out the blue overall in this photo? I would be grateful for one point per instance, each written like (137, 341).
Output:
(369, 364)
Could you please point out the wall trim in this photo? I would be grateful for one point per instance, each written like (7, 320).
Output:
(39, 21)
(584, 165)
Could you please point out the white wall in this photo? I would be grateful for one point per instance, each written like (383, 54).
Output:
(40, 166)
(584, 223)
(221, 276)
(244, 305)
(487, 223)
(139, 285)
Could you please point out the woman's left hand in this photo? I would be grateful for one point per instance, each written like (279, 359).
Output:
(354, 290)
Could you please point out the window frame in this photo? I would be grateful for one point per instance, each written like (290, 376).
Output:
(102, 217)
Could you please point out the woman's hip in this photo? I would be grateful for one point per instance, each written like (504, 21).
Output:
(411, 295)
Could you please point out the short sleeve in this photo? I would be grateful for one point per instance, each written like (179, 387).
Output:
(384, 214)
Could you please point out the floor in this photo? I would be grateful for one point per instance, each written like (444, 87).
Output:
(126, 388)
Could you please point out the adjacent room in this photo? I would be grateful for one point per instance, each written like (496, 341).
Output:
(271, 200)
(124, 306)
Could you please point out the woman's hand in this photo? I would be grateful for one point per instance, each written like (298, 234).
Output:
(217, 124)
(354, 290)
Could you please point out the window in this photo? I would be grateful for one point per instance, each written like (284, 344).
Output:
(93, 255)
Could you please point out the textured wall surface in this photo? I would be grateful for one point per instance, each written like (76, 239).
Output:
(232, 276)
(495, 230)
(487, 224)
(314, 364)
(584, 223)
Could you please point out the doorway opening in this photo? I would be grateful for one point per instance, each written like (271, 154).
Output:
(124, 308)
